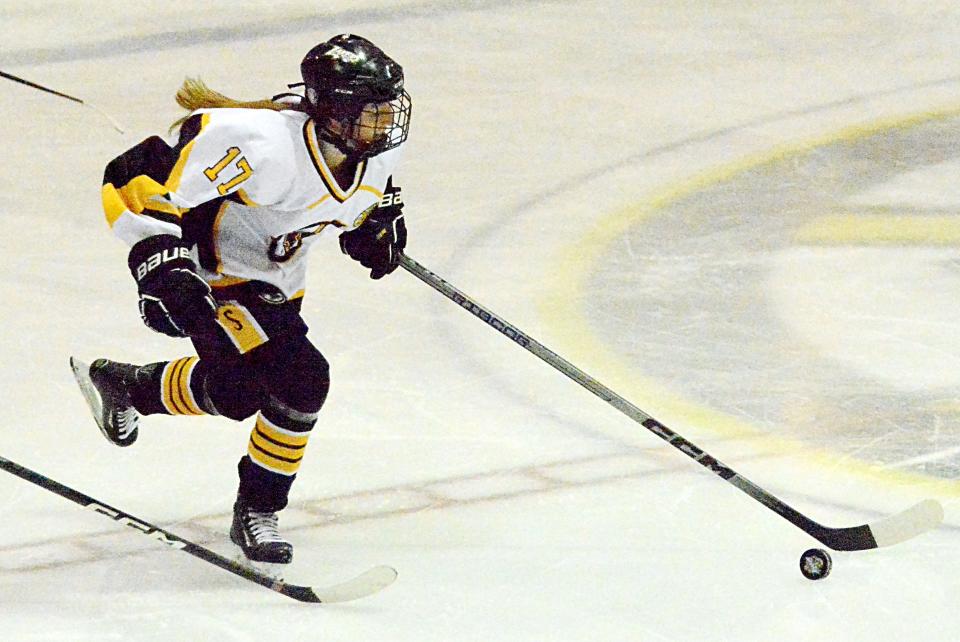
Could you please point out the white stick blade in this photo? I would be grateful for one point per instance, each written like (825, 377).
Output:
(905, 525)
(376, 579)
(113, 122)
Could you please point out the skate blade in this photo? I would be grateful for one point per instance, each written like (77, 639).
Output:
(273, 571)
(81, 372)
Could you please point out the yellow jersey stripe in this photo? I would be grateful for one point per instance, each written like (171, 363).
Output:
(371, 189)
(132, 181)
(314, 204)
(141, 193)
(113, 205)
(245, 198)
(176, 174)
(227, 281)
(310, 135)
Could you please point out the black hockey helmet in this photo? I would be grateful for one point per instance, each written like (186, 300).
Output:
(343, 75)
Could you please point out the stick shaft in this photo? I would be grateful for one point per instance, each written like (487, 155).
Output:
(154, 532)
(842, 539)
(23, 81)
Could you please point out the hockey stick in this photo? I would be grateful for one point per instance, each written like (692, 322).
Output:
(365, 584)
(884, 532)
(23, 81)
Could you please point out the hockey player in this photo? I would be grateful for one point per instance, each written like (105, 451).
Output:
(219, 222)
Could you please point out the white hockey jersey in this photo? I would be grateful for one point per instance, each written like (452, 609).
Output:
(248, 188)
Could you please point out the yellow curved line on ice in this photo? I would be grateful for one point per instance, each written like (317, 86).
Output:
(562, 315)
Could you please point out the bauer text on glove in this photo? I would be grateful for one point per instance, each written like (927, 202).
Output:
(174, 299)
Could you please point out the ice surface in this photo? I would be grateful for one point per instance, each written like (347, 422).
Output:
(738, 215)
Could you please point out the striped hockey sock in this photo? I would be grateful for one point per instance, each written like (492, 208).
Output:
(279, 438)
(176, 394)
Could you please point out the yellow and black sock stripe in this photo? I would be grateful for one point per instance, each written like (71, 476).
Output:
(177, 396)
(277, 449)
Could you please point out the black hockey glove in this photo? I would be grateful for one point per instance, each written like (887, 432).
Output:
(174, 300)
(379, 240)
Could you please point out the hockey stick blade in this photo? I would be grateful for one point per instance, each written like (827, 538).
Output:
(363, 585)
(24, 81)
(917, 519)
(368, 583)
(885, 532)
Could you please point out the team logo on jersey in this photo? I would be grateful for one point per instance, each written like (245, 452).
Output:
(282, 248)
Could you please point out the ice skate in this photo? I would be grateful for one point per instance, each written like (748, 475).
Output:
(259, 539)
(104, 386)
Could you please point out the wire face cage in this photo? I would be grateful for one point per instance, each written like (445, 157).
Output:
(380, 126)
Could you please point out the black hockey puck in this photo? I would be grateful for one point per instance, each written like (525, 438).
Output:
(815, 564)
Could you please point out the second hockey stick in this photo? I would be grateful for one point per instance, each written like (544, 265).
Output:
(24, 81)
(884, 532)
(373, 580)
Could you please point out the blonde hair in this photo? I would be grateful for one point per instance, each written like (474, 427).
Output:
(194, 94)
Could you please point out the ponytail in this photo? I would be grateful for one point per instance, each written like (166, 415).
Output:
(194, 94)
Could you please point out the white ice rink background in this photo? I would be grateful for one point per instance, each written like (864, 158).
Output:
(742, 216)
